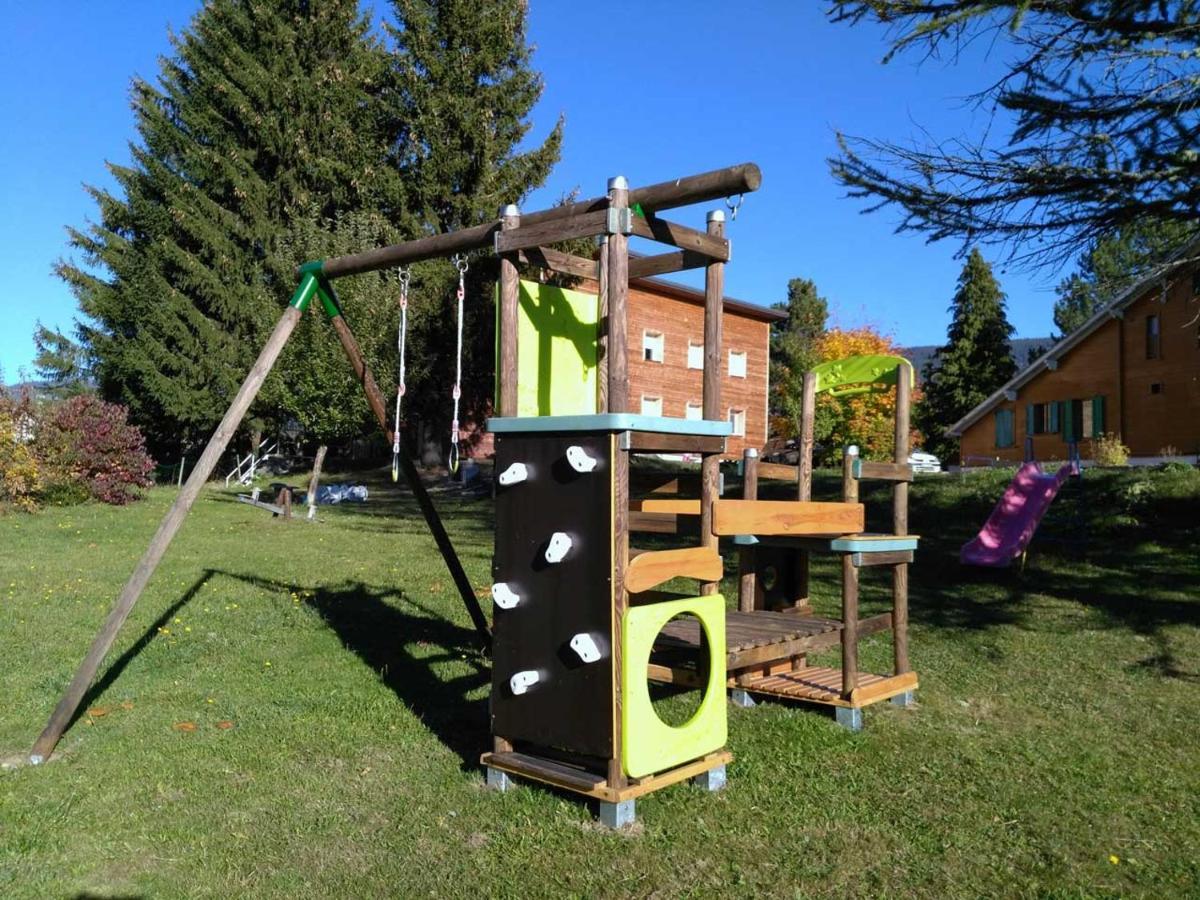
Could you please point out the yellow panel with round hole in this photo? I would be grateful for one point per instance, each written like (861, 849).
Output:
(648, 744)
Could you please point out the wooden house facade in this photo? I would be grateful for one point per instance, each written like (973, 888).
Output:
(1132, 370)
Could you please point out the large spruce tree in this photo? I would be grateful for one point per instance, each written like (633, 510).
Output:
(975, 361)
(258, 121)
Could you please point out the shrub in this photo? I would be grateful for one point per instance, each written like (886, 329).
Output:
(85, 441)
(1107, 450)
(20, 478)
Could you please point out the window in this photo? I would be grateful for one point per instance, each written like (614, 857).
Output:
(1041, 418)
(737, 363)
(1004, 428)
(1153, 342)
(737, 418)
(693, 411)
(695, 354)
(651, 406)
(1156, 387)
(652, 346)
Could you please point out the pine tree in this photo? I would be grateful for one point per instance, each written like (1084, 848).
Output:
(975, 361)
(61, 363)
(794, 351)
(459, 93)
(1113, 263)
(258, 123)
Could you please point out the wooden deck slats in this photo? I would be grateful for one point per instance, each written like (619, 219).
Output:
(822, 684)
(747, 631)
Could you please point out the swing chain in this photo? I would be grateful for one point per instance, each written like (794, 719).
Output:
(405, 277)
(734, 205)
(460, 263)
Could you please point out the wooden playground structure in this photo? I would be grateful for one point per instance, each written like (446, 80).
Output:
(579, 623)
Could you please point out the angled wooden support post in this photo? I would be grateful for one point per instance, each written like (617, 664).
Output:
(710, 465)
(432, 519)
(64, 713)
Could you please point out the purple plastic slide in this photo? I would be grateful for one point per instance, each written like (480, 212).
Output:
(1010, 527)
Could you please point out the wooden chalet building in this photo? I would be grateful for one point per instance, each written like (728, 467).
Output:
(1133, 370)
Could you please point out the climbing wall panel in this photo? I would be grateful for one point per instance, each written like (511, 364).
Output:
(550, 604)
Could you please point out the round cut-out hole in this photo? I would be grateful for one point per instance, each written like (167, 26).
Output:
(676, 704)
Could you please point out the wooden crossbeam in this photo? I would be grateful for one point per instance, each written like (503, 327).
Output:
(676, 505)
(656, 229)
(882, 471)
(651, 568)
(664, 263)
(524, 236)
(557, 261)
(786, 517)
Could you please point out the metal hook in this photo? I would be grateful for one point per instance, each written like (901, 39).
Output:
(734, 205)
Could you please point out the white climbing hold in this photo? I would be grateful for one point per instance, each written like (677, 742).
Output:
(579, 459)
(522, 681)
(514, 474)
(556, 550)
(503, 596)
(585, 645)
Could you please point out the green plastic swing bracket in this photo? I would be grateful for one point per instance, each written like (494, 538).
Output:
(304, 292)
(328, 297)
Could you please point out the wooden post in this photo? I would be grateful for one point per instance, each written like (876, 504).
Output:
(808, 410)
(710, 465)
(428, 510)
(748, 589)
(849, 585)
(506, 365)
(618, 294)
(315, 481)
(167, 529)
(900, 524)
(602, 330)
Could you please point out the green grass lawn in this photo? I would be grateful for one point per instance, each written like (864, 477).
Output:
(295, 709)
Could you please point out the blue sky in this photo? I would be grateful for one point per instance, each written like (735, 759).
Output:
(686, 88)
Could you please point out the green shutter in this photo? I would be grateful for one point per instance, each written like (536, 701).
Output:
(1028, 419)
(1068, 422)
(1097, 416)
(1004, 428)
(1052, 417)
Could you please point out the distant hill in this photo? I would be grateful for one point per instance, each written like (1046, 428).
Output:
(918, 356)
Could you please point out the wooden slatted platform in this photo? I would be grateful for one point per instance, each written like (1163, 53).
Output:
(753, 638)
(821, 684)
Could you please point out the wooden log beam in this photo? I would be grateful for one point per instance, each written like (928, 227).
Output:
(508, 323)
(748, 582)
(710, 466)
(665, 263)
(557, 261)
(715, 247)
(657, 442)
(527, 235)
(740, 179)
(65, 711)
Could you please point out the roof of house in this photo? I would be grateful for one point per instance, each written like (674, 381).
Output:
(1049, 360)
(1020, 348)
(694, 295)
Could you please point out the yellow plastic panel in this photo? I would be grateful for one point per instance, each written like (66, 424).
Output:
(556, 351)
(648, 743)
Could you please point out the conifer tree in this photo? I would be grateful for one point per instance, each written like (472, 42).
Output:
(975, 361)
(257, 122)
(61, 363)
(794, 351)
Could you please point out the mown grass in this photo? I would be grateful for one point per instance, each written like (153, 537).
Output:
(297, 709)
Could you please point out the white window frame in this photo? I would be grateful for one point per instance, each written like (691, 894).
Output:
(741, 355)
(652, 399)
(693, 406)
(736, 413)
(695, 354)
(649, 338)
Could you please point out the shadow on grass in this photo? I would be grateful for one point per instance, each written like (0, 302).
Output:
(401, 642)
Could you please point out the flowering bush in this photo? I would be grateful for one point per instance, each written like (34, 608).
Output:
(19, 476)
(87, 442)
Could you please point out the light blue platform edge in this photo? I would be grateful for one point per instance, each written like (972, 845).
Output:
(837, 545)
(610, 422)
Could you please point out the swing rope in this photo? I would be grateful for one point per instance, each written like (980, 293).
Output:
(460, 263)
(401, 339)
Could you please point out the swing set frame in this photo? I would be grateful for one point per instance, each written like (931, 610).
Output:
(516, 239)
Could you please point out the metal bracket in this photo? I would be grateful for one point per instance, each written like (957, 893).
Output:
(620, 220)
(623, 440)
